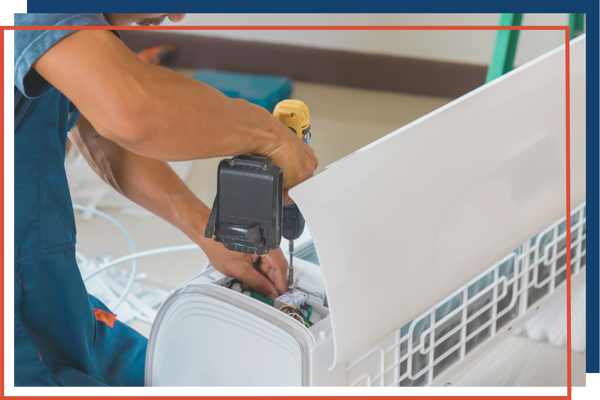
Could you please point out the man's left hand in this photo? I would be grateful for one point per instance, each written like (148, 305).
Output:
(266, 275)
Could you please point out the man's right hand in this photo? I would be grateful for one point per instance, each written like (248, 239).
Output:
(296, 158)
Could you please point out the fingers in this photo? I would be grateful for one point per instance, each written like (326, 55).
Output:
(296, 158)
(308, 163)
(258, 282)
(241, 267)
(275, 266)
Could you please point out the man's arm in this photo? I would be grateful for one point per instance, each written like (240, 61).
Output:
(155, 186)
(161, 114)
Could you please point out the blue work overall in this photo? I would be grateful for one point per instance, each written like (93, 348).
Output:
(63, 336)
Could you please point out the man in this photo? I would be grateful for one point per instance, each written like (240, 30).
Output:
(127, 118)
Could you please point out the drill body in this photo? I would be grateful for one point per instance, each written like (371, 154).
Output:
(248, 215)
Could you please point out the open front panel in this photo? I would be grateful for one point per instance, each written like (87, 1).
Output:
(431, 205)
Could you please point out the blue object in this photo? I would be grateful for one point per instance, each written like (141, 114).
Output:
(265, 91)
(63, 336)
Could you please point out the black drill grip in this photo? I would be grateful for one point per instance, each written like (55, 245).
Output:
(293, 222)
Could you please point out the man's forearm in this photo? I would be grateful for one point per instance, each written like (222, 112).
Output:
(183, 119)
(151, 110)
(150, 183)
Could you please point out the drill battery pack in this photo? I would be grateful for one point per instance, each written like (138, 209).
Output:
(247, 214)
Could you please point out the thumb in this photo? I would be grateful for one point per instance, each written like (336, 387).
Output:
(275, 266)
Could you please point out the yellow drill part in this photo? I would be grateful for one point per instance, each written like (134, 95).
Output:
(294, 114)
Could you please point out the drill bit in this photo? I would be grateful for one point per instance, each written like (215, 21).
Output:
(291, 268)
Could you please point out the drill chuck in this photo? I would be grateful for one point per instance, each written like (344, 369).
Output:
(293, 222)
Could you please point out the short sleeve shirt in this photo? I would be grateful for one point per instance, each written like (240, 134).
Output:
(44, 221)
(30, 45)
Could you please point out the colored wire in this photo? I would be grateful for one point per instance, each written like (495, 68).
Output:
(298, 317)
(296, 311)
(301, 313)
(258, 296)
(295, 316)
(292, 308)
(309, 311)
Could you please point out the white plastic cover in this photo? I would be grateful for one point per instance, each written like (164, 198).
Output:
(403, 222)
(201, 337)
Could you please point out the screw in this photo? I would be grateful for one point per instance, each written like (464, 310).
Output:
(447, 384)
(231, 162)
(265, 167)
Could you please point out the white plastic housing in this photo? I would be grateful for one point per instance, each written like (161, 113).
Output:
(434, 242)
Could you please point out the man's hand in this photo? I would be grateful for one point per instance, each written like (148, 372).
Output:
(153, 185)
(140, 114)
(296, 158)
(266, 275)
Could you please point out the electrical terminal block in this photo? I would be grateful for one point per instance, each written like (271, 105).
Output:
(296, 298)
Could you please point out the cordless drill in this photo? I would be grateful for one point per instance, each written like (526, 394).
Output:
(248, 214)
(294, 114)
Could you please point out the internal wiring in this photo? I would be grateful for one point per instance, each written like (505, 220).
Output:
(306, 318)
(298, 318)
(289, 310)
(258, 296)
(293, 311)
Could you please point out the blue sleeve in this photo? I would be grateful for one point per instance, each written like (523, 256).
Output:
(30, 45)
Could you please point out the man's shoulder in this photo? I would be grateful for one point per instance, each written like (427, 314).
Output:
(59, 19)
(31, 44)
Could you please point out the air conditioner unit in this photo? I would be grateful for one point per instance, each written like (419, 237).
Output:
(425, 248)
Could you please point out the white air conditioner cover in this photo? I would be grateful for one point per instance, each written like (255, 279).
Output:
(403, 222)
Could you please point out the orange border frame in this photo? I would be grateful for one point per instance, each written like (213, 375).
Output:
(322, 28)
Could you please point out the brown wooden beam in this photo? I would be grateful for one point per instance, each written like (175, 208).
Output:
(332, 67)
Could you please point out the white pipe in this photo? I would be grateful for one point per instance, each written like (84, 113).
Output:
(131, 246)
(142, 254)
